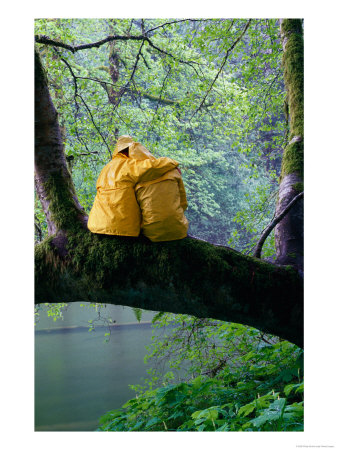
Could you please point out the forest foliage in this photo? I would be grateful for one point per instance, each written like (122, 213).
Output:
(210, 94)
(229, 147)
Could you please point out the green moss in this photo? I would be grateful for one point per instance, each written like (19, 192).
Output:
(286, 110)
(292, 255)
(104, 262)
(293, 63)
(48, 260)
(64, 211)
(298, 187)
(186, 276)
(292, 26)
(293, 159)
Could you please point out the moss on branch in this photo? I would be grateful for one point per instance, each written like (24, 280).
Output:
(186, 276)
(60, 193)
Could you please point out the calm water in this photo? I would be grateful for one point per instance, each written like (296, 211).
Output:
(79, 376)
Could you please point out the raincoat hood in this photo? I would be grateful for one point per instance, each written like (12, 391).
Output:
(136, 150)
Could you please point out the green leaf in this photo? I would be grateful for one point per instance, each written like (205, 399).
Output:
(153, 421)
(246, 409)
(138, 313)
(224, 427)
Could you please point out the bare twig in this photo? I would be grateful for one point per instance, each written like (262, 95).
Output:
(160, 96)
(89, 153)
(269, 228)
(77, 95)
(176, 21)
(223, 63)
(93, 122)
(123, 90)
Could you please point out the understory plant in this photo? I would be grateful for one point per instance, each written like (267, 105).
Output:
(225, 377)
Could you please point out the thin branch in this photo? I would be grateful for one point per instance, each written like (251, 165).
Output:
(93, 122)
(86, 154)
(82, 142)
(103, 83)
(41, 39)
(145, 61)
(70, 70)
(76, 94)
(160, 97)
(123, 90)
(269, 228)
(223, 64)
(176, 21)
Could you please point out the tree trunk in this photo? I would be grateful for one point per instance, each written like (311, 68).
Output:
(186, 276)
(54, 184)
(289, 232)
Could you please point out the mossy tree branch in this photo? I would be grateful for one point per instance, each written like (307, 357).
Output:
(186, 276)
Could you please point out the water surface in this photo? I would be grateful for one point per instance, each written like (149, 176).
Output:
(79, 376)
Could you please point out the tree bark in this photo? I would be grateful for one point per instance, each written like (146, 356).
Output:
(186, 276)
(54, 184)
(289, 232)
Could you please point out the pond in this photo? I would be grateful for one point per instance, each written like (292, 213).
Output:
(80, 375)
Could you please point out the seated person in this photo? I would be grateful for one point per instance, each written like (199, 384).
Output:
(115, 210)
(163, 202)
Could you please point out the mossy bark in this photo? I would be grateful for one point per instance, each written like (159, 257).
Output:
(53, 181)
(186, 276)
(289, 232)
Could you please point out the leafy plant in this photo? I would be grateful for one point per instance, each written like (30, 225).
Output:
(268, 396)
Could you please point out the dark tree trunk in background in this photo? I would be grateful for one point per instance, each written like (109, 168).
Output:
(267, 139)
(114, 70)
(187, 276)
(289, 232)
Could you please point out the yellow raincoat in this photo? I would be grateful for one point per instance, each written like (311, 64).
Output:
(163, 202)
(115, 209)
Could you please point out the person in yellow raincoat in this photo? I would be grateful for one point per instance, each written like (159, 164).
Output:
(163, 202)
(116, 210)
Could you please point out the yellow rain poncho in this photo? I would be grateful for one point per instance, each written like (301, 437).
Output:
(163, 202)
(115, 210)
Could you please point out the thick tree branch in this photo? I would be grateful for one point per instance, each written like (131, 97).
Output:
(186, 276)
(41, 39)
(271, 226)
